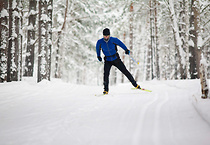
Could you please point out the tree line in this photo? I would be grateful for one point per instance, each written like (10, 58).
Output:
(189, 24)
(11, 38)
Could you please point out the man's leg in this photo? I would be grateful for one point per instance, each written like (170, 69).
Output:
(107, 67)
(120, 65)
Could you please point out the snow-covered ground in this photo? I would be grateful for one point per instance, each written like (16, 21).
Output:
(58, 113)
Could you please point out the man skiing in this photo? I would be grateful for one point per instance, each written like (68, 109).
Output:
(109, 48)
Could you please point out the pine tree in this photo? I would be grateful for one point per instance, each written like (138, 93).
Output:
(29, 61)
(184, 33)
(149, 65)
(195, 48)
(157, 66)
(3, 39)
(154, 44)
(13, 46)
(20, 40)
(131, 35)
(58, 58)
(205, 29)
(76, 50)
(44, 52)
(49, 36)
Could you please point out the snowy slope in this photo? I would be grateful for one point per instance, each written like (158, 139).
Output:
(57, 113)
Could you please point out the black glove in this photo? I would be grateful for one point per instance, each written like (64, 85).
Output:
(127, 51)
(99, 58)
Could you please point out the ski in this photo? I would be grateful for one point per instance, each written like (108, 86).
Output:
(100, 95)
(142, 89)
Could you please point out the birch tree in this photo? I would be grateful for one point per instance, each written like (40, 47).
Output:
(177, 39)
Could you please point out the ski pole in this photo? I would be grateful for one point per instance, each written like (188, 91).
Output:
(134, 59)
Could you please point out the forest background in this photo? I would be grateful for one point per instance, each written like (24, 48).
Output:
(56, 39)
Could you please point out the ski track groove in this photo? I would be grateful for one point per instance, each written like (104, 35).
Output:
(138, 135)
(153, 108)
(157, 128)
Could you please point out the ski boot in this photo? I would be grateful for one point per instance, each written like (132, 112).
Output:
(138, 87)
(105, 92)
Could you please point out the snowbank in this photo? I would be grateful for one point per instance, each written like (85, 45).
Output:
(202, 106)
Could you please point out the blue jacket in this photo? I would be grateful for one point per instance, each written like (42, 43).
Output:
(109, 47)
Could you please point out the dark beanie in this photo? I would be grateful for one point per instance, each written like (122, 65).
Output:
(106, 31)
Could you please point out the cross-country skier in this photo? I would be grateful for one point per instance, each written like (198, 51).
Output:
(109, 48)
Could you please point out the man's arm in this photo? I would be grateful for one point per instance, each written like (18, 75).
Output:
(120, 43)
(98, 51)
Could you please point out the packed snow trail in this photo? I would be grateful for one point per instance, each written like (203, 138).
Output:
(57, 113)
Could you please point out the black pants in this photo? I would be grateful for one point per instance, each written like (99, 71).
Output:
(119, 64)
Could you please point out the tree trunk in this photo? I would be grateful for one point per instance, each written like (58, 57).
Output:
(57, 58)
(152, 38)
(29, 61)
(123, 58)
(203, 80)
(195, 48)
(156, 42)
(9, 58)
(155, 68)
(183, 31)
(177, 39)
(42, 51)
(20, 39)
(208, 58)
(3, 39)
(149, 67)
(13, 47)
(148, 63)
(49, 36)
(131, 35)
(198, 47)
(45, 39)
(58, 73)
(17, 51)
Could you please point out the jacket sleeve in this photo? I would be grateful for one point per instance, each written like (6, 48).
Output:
(120, 43)
(98, 49)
